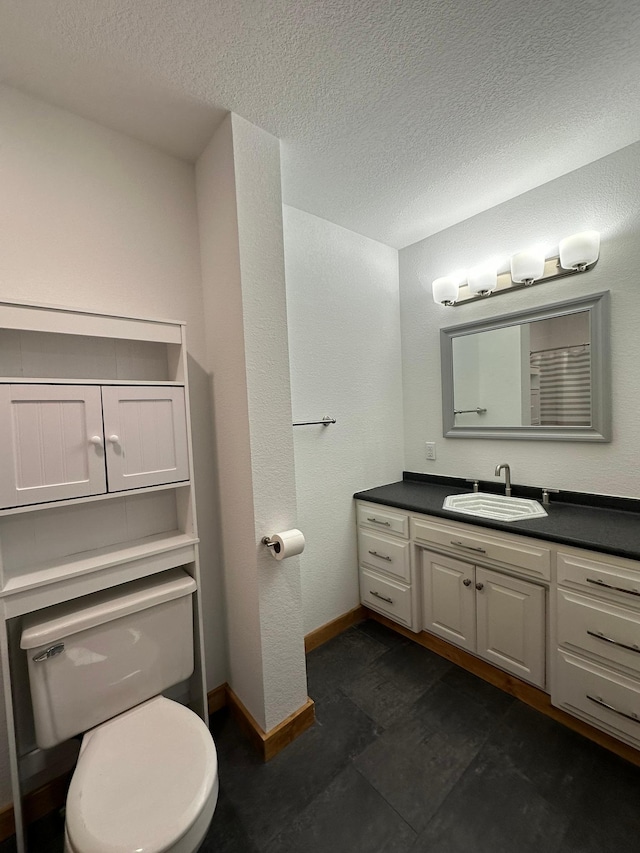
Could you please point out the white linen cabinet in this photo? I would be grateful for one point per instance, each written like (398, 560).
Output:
(55, 446)
(95, 483)
(145, 436)
(51, 443)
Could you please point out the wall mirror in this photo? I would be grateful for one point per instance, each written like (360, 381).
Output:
(542, 373)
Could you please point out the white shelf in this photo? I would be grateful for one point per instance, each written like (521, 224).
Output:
(72, 321)
(53, 380)
(56, 308)
(87, 562)
(105, 496)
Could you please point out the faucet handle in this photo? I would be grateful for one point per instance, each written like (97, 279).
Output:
(475, 484)
(546, 493)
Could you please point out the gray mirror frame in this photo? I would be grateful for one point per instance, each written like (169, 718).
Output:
(600, 430)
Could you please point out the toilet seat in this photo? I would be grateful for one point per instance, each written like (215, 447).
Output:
(145, 781)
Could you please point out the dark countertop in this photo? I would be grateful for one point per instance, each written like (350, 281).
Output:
(608, 525)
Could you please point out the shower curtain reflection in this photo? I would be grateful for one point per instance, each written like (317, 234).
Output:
(563, 395)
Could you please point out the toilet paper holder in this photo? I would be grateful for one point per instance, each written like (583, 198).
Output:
(288, 543)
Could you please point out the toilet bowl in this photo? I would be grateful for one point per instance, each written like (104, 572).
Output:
(145, 781)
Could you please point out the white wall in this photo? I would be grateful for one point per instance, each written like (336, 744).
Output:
(240, 207)
(500, 387)
(497, 387)
(603, 195)
(466, 377)
(344, 342)
(93, 219)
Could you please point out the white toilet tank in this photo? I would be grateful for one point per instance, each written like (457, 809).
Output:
(94, 657)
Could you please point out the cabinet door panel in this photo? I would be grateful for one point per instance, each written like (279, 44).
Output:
(145, 436)
(448, 602)
(46, 433)
(511, 624)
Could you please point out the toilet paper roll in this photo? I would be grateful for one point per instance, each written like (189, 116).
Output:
(287, 544)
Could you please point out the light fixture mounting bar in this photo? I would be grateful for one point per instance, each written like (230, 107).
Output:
(552, 271)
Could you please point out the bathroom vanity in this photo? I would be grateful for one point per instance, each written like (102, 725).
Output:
(95, 485)
(554, 601)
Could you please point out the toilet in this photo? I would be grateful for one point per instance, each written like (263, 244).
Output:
(146, 779)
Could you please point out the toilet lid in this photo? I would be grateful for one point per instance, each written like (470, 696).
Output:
(141, 780)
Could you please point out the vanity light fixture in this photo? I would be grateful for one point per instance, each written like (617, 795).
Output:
(527, 266)
(445, 290)
(577, 254)
(482, 280)
(579, 250)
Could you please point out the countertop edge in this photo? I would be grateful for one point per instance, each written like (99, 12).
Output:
(477, 521)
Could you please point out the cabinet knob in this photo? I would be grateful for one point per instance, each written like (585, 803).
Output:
(467, 581)
(114, 439)
(479, 586)
(97, 440)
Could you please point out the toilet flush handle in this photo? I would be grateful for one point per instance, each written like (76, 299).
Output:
(51, 652)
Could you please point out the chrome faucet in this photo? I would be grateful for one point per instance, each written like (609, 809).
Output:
(507, 478)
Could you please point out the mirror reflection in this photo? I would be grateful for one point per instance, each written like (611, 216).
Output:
(541, 373)
(534, 373)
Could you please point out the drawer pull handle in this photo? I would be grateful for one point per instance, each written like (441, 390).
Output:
(598, 582)
(377, 521)
(383, 597)
(468, 547)
(467, 581)
(633, 717)
(599, 636)
(381, 556)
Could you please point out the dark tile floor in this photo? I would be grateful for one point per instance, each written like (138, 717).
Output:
(409, 754)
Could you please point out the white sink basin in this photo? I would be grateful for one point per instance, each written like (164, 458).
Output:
(498, 507)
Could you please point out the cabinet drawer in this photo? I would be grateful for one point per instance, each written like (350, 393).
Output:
(389, 597)
(616, 581)
(383, 519)
(616, 629)
(586, 688)
(384, 553)
(462, 540)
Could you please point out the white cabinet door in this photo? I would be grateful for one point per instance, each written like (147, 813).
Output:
(448, 599)
(511, 624)
(145, 432)
(52, 443)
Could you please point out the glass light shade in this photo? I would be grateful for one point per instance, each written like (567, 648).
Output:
(482, 280)
(527, 266)
(445, 290)
(579, 250)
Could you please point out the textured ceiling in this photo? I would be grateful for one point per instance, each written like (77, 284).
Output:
(397, 119)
